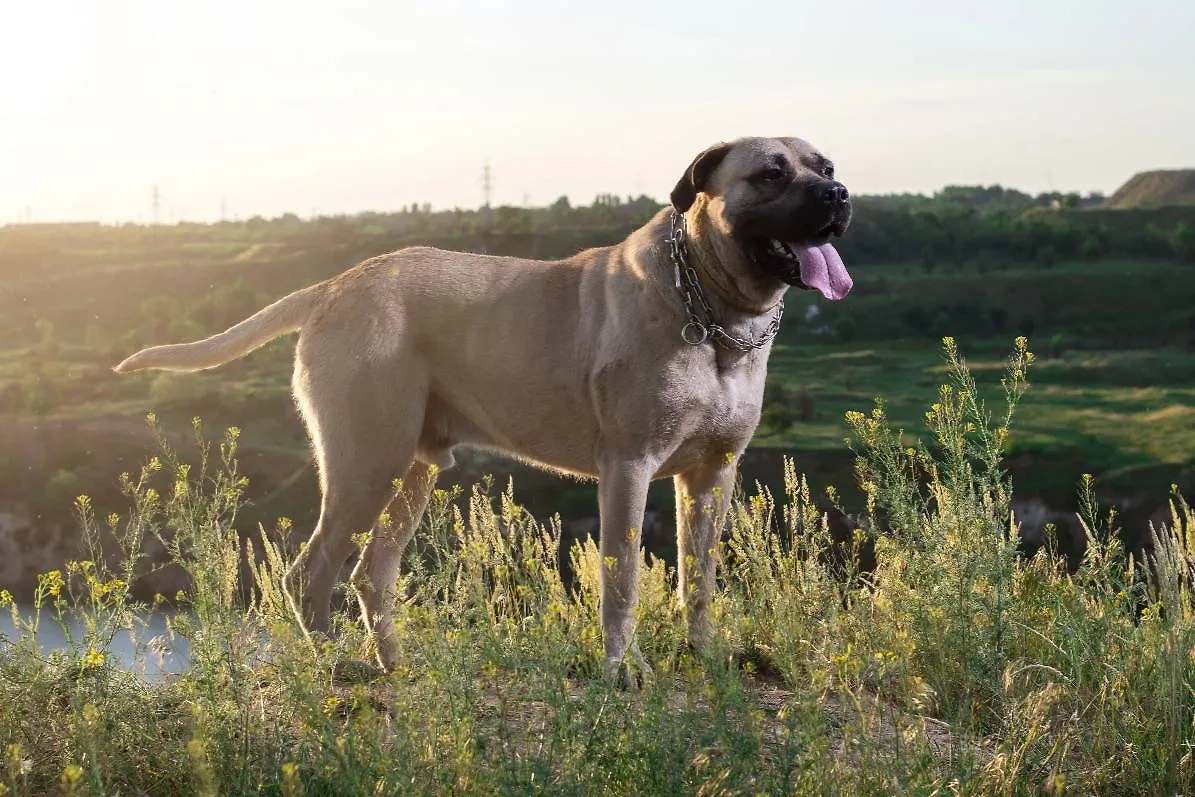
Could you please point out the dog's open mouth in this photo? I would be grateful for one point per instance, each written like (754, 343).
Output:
(814, 264)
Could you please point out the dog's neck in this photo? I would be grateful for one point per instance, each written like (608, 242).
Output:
(724, 266)
(729, 312)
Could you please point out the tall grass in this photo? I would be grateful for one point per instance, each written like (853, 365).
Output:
(956, 666)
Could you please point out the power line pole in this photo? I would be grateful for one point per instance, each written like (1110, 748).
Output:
(156, 202)
(486, 185)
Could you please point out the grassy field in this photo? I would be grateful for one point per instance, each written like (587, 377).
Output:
(1128, 415)
(956, 667)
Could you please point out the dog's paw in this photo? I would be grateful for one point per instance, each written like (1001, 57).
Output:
(630, 673)
(621, 676)
(386, 651)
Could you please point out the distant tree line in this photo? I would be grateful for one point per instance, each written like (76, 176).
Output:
(959, 223)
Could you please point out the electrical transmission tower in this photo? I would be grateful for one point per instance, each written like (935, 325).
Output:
(156, 202)
(486, 185)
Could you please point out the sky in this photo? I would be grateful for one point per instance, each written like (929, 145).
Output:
(263, 107)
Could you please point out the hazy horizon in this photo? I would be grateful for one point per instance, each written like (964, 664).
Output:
(277, 107)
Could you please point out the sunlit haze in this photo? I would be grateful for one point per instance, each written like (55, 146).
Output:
(267, 107)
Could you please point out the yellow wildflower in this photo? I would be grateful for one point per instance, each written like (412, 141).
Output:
(51, 582)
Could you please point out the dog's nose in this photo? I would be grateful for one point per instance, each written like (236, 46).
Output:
(832, 192)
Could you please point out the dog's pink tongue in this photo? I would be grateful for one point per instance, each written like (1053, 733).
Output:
(822, 268)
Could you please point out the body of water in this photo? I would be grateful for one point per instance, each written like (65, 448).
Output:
(131, 650)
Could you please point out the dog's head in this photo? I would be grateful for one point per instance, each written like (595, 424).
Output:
(777, 200)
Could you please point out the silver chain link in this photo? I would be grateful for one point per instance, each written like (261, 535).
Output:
(697, 331)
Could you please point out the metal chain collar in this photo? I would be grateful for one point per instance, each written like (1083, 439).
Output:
(697, 331)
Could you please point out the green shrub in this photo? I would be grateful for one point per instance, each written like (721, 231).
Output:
(60, 491)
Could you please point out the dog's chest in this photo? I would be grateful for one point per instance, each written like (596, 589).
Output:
(722, 408)
(684, 409)
(732, 409)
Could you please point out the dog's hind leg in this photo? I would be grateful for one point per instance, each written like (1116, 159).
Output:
(375, 575)
(364, 421)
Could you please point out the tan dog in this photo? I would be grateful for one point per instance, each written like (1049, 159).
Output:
(627, 363)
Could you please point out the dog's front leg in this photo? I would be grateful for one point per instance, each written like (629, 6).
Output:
(702, 501)
(622, 501)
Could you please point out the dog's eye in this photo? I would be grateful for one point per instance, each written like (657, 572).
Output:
(772, 174)
(828, 171)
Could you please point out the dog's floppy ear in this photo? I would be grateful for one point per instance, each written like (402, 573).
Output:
(695, 177)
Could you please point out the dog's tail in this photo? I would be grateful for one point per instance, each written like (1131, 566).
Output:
(285, 315)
